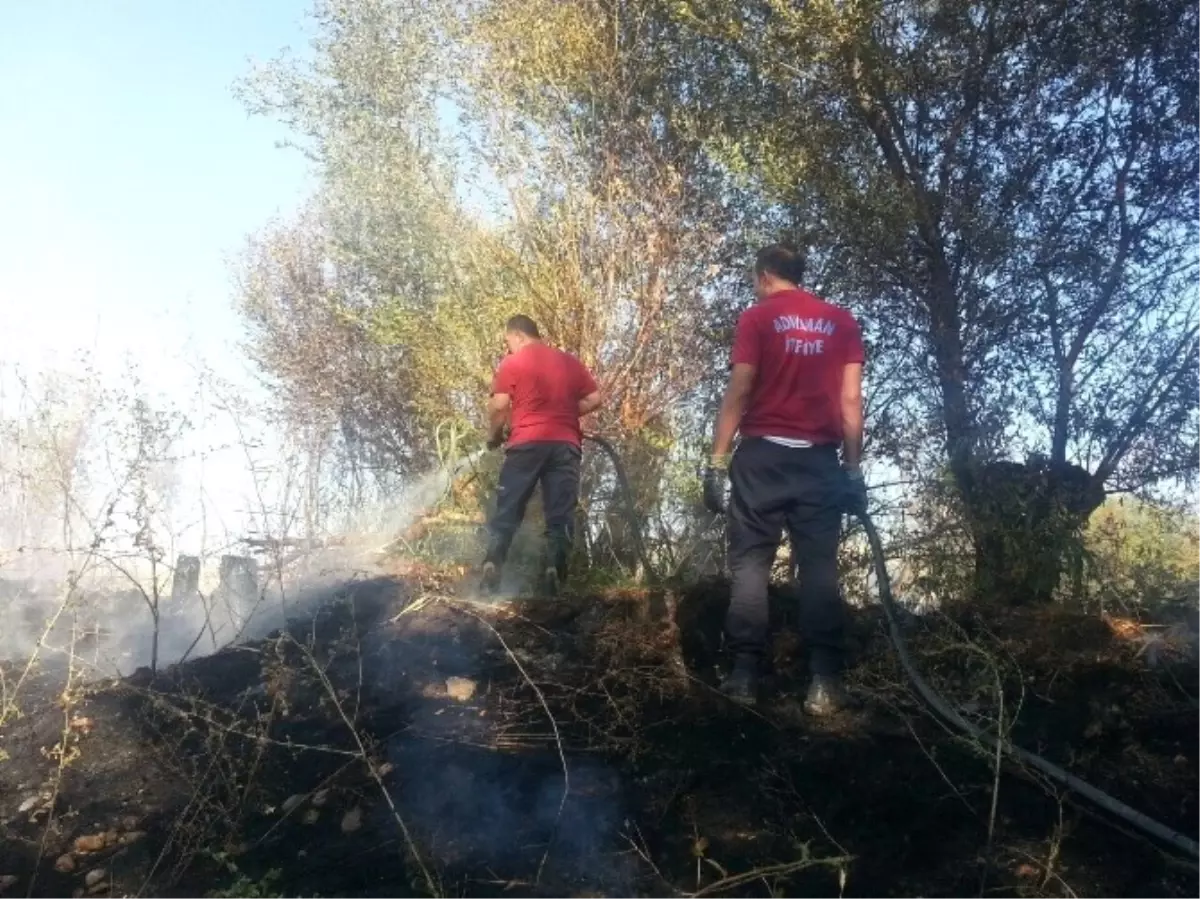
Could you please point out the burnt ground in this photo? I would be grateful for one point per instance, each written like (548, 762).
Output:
(342, 757)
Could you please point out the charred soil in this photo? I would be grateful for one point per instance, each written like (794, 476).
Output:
(409, 741)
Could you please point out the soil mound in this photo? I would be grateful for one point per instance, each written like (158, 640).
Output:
(408, 741)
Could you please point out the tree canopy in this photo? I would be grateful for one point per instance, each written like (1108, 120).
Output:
(1005, 193)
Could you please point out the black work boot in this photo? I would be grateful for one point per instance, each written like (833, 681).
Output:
(827, 695)
(551, 582)
(742, 683)
(555, 562)
(489, 580)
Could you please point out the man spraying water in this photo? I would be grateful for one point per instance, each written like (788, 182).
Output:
(795, 395)
(539, 393)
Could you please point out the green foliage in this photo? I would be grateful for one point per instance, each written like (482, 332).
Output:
(380, 313)
(1004, 191)
(967, 173)
(934, 552)
(1026, 519)
(1141, 556)
(335, 298)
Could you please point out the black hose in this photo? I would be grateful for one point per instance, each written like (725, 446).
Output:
(931, 697)
(944, 710)
(635, 529)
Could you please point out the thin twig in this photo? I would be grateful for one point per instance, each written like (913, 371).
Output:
(782, 870)
(373, 769)
(999, 764)
(64, 756)
(562, 756)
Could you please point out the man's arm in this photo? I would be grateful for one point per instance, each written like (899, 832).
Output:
(499, 404)
(852, 416)
(733, 405)
(744, 360)
(590, 403)
(586, 389)
(498, 407)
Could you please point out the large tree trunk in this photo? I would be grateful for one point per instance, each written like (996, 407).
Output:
(1025, 518)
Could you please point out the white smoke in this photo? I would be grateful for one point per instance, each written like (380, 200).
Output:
(105, 618)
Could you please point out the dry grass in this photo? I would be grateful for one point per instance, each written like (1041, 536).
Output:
(604, 676)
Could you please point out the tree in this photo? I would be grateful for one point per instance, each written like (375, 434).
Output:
(331, 376)
(611, 237)
(1141, 557)
(620, 239)
(1009, 191)
(47, 450)
(1005, 193)
(141, 446)
(378, 238)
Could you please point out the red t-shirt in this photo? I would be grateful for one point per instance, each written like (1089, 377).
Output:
(545, 385)
(798, 345)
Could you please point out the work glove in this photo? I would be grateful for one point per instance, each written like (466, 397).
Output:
(716, 482)
(854, 491)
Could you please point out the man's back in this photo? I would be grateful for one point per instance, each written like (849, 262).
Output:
(545, 386)
(795, 395)
(799, 345)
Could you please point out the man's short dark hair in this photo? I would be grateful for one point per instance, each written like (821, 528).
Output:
(523, 324)
(781, 260)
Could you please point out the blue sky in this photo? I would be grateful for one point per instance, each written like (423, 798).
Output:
(130, 173)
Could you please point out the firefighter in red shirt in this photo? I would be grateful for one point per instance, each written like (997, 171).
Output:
(795, 395)
(539, 393)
